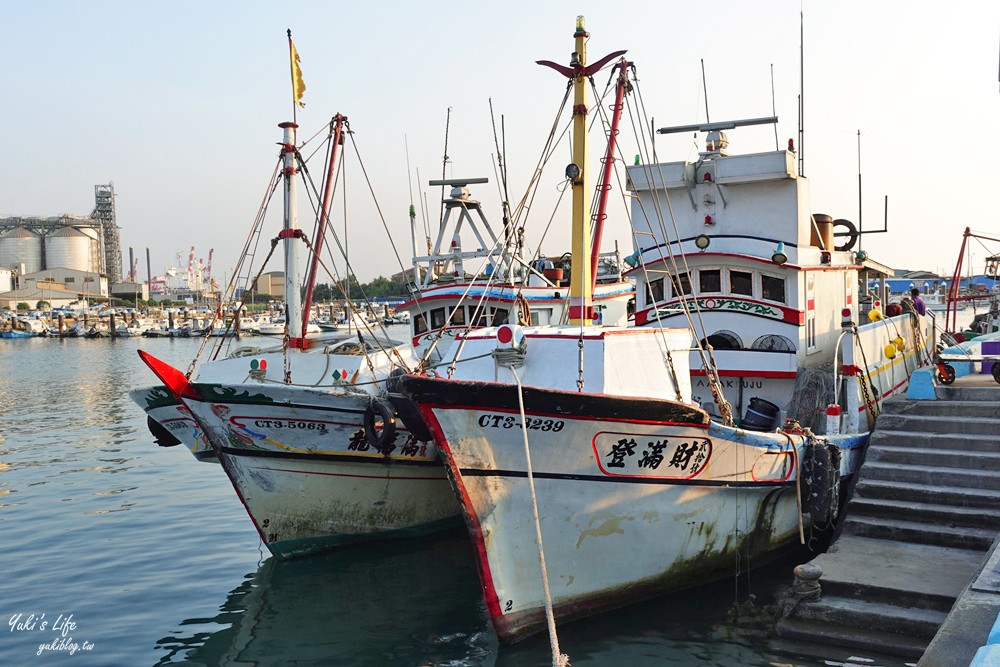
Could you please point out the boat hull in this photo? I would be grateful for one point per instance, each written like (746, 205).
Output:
(305, 504)
(307, 474)
(647, 499)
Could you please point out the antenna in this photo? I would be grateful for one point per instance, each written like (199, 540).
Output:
(860, 236)
(774, 110)
(802, 95)
(704, 87)
(444, 163)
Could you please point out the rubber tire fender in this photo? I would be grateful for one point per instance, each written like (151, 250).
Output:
(379, 408)
(822, 482)
(161, 435)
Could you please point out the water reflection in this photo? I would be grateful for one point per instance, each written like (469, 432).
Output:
(415, 603)
(412, 603)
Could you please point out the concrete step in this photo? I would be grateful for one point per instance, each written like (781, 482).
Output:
(990, 393)
(966, 442)
(930, 476)
(962, 537)
(945, 515)
(947, 408)
(940, 424)
(959, 496)
(885, 618)
(862, 639)
(932, 456)
(921, 575)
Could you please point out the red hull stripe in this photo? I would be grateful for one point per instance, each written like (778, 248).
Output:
(471, 518)
(620, 479)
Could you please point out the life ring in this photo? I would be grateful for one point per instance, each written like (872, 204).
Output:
(852, 233)
(380, 439)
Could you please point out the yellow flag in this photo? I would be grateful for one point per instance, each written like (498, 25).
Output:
(298, 85)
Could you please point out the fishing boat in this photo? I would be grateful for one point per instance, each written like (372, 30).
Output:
(591, 467)
(447, 300)
(305, 432)
(14, 333)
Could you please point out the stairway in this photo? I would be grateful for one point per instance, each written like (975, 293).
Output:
(924, 514)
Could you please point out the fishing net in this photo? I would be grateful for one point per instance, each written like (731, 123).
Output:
(814, 390)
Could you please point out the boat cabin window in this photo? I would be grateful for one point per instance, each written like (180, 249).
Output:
(438, 318)
(741, 282)
(541, 316)
(419, 324)
(709, 281)
(772, 288)
(458, 316)
(654, 291)
(490, 316)
(682, 282)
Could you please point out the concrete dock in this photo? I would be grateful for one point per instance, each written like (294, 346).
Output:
(901, 578)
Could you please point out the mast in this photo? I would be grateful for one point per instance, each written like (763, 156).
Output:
(338, 124)
(581, 309)
(290, 233)
(580, 291)
(604, 187)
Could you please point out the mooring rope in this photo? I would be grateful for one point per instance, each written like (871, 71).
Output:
(558, 659)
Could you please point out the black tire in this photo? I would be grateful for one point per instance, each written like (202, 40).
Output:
(945, 374)
(380, 439)
(996, 371)
(161, 435)
(820, 484)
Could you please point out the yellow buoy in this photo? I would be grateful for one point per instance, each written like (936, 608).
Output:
(874, 314)
(890, 351)
(899, 343)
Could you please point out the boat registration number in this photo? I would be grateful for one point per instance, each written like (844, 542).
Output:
(532, 423)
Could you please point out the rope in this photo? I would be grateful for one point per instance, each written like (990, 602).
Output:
(798, 485)
(558, 658)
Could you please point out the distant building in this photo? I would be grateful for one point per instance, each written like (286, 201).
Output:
(270, 284)
(86, 243)
(39, 291)
(86, 283)
(130, 291)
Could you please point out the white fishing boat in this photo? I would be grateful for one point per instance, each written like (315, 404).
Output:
(448, 300)
(305, 432)
(590, 471)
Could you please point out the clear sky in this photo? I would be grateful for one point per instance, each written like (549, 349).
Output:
(178, 102)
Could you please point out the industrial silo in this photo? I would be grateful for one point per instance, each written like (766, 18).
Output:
(19, 247)
(69, 248)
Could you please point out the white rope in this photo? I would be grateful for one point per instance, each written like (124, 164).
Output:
(558, 659)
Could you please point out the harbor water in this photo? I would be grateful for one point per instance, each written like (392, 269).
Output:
(116, 551)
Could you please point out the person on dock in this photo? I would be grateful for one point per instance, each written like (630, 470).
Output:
(918, 303)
